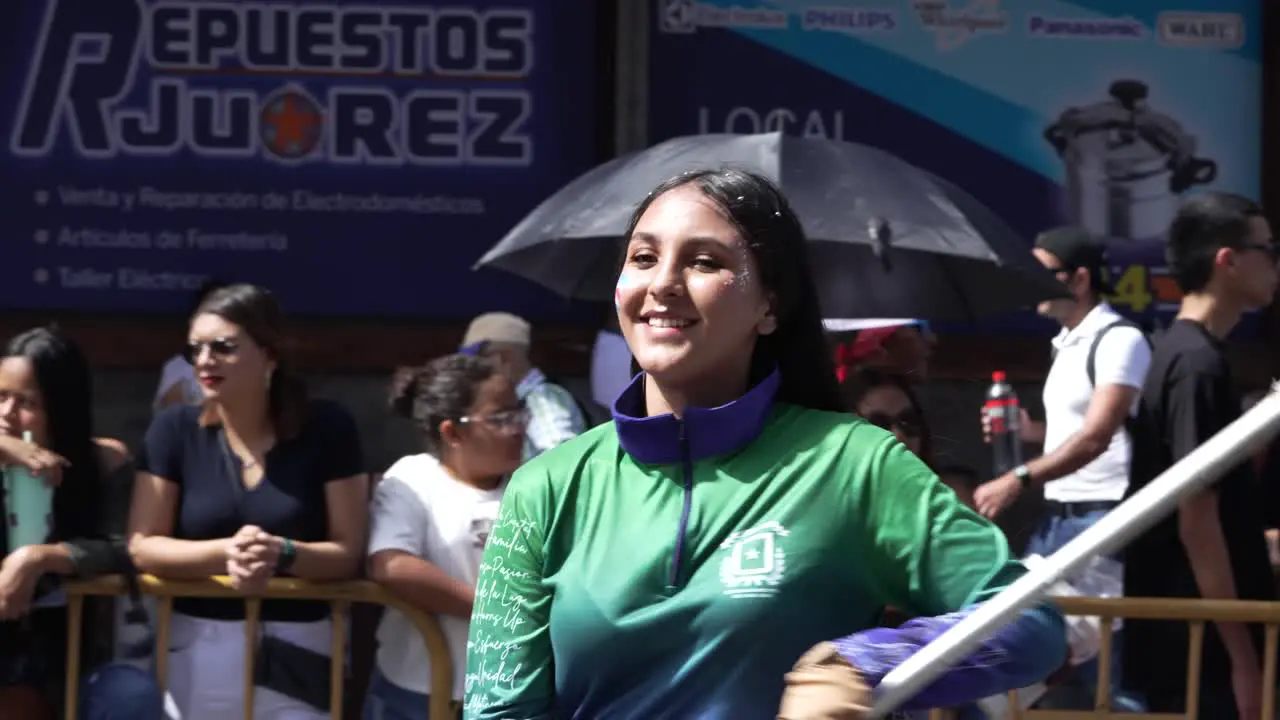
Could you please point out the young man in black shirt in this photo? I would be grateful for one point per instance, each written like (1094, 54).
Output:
(1221, 252)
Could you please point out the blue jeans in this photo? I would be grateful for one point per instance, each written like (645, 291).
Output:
(121, 692)
(1053, 532)
(387, 701)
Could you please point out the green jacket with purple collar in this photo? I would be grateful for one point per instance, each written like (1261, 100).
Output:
(658, 567)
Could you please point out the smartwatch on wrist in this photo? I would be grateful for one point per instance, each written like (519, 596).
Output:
(1023, 473)
(288, 554)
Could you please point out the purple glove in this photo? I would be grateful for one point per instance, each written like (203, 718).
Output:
(1021, 653)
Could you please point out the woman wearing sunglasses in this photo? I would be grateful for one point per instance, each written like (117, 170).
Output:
(256, 482)
(431, 515)
(887, 401)
(723, 548)
(178, 382)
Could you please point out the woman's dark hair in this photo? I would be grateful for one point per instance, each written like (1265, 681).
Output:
(66, 384)
(207, 288)
(443, 389)
(798, 347)
(861, 383)
(255, 310)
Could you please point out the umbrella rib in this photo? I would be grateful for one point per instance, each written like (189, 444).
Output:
(955, 284)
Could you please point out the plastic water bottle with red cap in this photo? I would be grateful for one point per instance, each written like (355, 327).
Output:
(1002, 419)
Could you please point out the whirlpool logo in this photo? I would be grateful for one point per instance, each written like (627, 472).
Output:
(955, 26)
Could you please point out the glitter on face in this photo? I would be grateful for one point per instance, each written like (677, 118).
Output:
(742, 278)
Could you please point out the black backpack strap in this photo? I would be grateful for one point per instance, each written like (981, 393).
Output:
(1091, 362)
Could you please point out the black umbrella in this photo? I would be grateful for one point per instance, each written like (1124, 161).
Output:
(889, 239)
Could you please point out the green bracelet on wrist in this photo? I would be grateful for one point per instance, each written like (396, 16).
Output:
(288, 554)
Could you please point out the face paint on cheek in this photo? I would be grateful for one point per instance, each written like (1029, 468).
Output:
(625, 282)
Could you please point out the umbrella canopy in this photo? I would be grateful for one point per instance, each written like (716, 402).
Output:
(888, 239)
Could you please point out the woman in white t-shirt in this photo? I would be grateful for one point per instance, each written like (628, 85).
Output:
(430, 517)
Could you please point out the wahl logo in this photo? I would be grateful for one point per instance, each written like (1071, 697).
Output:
(1201, 29)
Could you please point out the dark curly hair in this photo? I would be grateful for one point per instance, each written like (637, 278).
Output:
(443, 389)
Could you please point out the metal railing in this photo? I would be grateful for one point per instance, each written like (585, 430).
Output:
(340, 596)
(1158, 499)
(1196, 613)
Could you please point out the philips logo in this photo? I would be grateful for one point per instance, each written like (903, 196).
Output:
(849, 20)
(1201, 29)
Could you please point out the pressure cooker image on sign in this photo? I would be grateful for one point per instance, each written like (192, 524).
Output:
(1126, 165)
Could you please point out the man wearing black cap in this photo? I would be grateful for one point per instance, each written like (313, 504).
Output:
(1090, 395)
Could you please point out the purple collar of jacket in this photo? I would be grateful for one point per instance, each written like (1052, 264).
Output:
(702, 432)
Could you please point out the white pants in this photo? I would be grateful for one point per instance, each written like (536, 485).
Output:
(206, 669)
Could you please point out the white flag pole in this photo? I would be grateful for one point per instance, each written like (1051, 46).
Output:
(1207, 463)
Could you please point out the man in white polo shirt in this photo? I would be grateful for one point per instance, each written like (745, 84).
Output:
(1090, 395)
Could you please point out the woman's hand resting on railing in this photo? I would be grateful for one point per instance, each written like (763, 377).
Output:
(252, 558)
(19, 572)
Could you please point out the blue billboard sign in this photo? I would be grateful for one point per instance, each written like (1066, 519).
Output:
(356, 157)
(1092, 112)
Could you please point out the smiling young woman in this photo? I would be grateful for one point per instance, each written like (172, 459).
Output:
(678, 561)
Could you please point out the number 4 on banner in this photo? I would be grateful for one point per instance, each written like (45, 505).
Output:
(1131, 290)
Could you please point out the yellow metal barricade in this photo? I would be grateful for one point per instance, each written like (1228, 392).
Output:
(1196, 613)
(340, 596)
